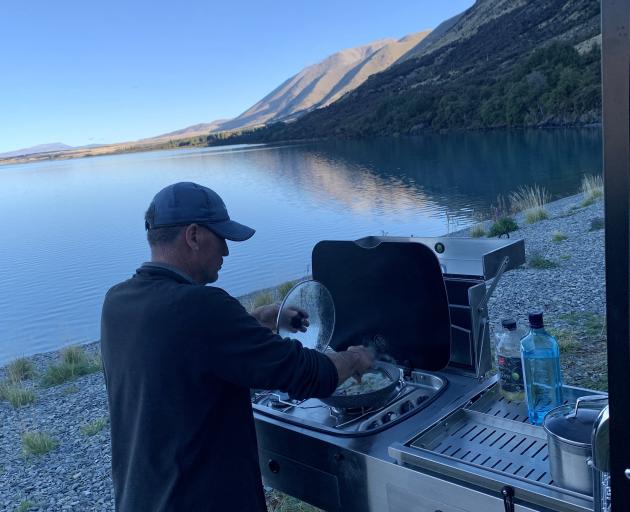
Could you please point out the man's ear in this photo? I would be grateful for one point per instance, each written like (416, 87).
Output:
(191, 235)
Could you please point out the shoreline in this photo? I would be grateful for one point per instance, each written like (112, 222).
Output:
(76, 474)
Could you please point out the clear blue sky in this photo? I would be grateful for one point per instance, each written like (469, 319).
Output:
(84, 72)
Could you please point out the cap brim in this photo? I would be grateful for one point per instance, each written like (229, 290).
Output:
(231, 230)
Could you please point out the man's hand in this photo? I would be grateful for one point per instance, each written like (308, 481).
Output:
(293, 319)
(354, 362)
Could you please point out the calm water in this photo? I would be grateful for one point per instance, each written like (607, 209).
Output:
(71, 229)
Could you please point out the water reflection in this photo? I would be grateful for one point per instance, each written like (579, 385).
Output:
(73, 228)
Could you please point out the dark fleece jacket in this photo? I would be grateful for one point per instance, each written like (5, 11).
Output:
(179, 360)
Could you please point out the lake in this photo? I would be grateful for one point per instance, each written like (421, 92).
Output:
(71, 229)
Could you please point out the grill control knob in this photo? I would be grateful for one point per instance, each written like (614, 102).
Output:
(274, 466)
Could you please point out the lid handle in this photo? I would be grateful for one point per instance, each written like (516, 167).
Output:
(588, 398)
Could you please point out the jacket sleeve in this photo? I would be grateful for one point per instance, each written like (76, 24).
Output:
(236, 348)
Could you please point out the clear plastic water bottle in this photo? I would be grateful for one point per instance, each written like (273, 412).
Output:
(541, 369)
(509, 363)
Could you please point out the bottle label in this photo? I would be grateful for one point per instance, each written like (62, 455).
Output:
(511, 374)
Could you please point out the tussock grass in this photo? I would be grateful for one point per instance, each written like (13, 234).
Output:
(477, 231)
(558, 236)
(567, 342)
(37, 443)
(586, 323)
(26, 505)
(94, 427)
(73, 363)
(16, 394)
(593, 189)
(537, 260)
(20, 369)
(285, 288)
(503, 226)
(262, 299)
(531, 201)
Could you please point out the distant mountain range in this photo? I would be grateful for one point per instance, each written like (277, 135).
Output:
(500, 63)
(315, 86)
(40, 148)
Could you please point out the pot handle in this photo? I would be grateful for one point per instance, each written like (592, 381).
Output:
(588, 398)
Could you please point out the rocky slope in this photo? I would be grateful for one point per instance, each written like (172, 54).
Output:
(474, 72)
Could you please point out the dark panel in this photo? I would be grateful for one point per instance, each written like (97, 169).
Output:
(616, 117)
(394, 289)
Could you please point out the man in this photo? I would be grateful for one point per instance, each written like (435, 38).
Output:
(180, 358)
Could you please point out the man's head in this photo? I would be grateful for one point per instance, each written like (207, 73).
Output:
(187, 226)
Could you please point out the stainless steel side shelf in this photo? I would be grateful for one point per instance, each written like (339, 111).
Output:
(490, 443)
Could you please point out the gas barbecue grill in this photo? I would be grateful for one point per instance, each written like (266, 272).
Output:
(446, 439)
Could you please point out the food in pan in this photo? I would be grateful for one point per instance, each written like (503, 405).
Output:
(371, 381)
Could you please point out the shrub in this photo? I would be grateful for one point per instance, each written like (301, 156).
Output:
(558, 236)
(530, 200)
(26, 505)
(593, 188)
(94, 427)
(596, 224)
(20, 369)
(537, 260)
(37, 443)
(16, 395)
(74, 363)
(503, 226)
(477, 231)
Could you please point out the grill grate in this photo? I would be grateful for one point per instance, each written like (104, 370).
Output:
(491, 441)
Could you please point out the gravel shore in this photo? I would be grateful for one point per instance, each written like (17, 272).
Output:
(76, 474)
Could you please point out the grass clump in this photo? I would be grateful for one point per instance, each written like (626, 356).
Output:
(20, 369)
(565, 257)
(16, 395)
(285, 288)
(74, 363)
(537, 260)
(26, 505)
(593, 189)
(596, 224)
(530, 200)
(503, 226)
(477, 231)
(37, 443)
(586, 323)
(94, 427)
(558, 236)
(262, 299)
(567, 342)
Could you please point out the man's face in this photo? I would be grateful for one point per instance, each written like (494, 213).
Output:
(212, 250)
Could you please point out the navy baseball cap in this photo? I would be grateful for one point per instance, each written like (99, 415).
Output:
(187, 203)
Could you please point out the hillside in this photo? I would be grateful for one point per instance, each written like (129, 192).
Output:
(322, 83)
(40, 148)
(499, 64)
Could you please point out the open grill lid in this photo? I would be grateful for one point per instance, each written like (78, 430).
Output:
(389, 288)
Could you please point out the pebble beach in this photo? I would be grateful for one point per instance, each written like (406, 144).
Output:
(564, 278)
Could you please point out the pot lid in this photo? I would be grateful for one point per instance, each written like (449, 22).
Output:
(390, 292)
(573, 423)
(313, 298)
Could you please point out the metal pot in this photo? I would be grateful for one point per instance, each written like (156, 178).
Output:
(569, 430)
(372, 398)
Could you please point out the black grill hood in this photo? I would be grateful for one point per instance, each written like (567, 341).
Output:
(390, 288)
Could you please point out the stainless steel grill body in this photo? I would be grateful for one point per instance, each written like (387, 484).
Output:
(459, 448)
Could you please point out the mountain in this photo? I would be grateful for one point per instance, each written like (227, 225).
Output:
(501, 63)
(189, 131)
(323, 83)
(40, 148)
